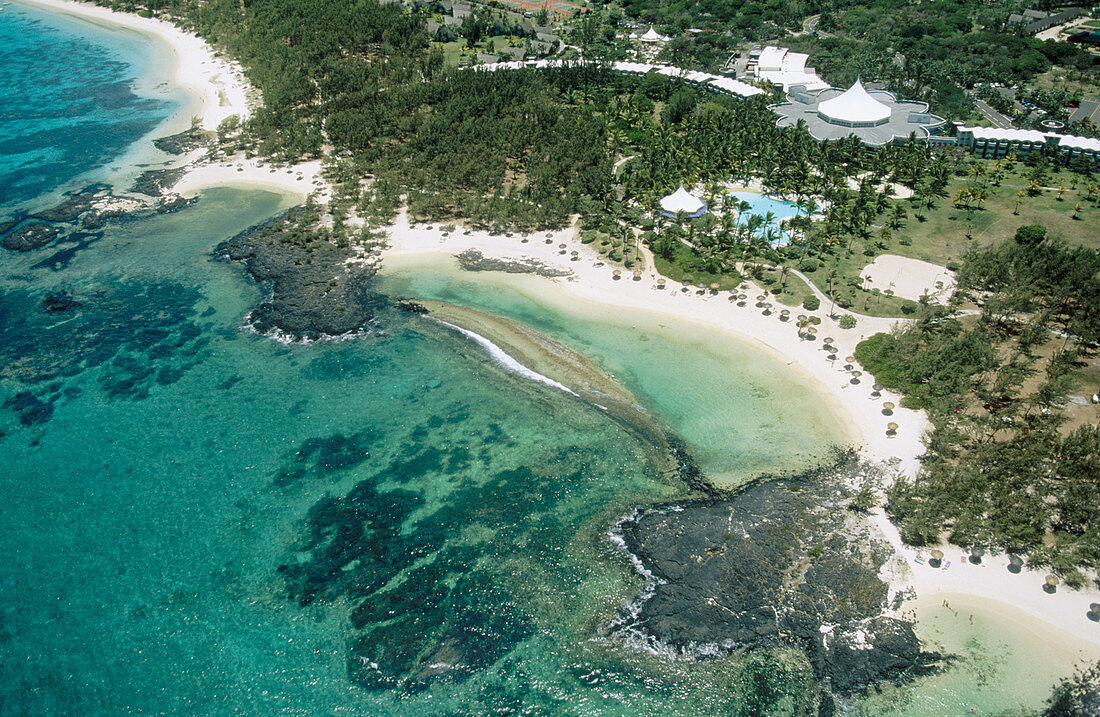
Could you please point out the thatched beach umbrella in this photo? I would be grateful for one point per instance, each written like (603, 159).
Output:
(937, 556)
(762, 298)
(828, 339)
(661, 283)
(617, 273)
(637, 275)
(892, 427)
(811, 330)
(887, 407)
(801, 317)
(850, 359)
(714, 287)
(1051, 583)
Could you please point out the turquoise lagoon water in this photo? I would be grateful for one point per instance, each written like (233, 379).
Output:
(199, 520)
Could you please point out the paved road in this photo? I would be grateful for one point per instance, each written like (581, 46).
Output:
(993, 115)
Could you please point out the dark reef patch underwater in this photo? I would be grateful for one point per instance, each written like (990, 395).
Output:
(142, 333)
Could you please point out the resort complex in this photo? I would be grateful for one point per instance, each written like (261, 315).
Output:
(876, 116)
(511, 357)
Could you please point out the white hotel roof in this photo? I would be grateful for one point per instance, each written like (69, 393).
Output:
(724, 84)
(1031, 135)
(1011, 135)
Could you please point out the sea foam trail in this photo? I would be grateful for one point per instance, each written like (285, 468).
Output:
(507, 361)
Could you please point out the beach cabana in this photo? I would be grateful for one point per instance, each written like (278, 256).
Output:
(682, 201)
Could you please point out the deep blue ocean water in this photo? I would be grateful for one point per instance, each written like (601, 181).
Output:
(66, 100)
(199, 520)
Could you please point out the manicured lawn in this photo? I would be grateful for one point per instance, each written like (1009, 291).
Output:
(941, 237)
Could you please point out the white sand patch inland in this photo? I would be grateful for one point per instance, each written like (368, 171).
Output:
(909, 278)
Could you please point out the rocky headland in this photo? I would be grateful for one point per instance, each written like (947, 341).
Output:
(316, 290)
(784, 563)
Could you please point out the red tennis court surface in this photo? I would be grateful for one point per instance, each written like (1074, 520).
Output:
(561, 8)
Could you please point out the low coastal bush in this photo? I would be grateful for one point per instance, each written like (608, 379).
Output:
(811, 303)
(847, 321)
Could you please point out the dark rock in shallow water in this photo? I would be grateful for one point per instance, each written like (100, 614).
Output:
(185, 141)
(173, 203)
(30, 236)
(74, 205)
(474, 260)
(96, 220)
(54, 303)
(7, 225)
(77, 242)
(314, 291)
(153, 182)
(866, 653)
(776, 564)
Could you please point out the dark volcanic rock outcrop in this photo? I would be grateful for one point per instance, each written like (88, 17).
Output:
(782, 563)
(315, 292)
(185, 141)
(75, 204)
(30, 236)
(153, 182)
(474, 260)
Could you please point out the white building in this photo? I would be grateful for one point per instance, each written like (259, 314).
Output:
(991, 143)
(782, 67)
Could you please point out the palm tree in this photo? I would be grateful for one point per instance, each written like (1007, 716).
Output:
(1077, 210)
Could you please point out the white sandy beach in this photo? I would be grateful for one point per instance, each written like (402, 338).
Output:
(593, 282)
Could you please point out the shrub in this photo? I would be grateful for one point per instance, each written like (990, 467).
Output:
(588, 236)
(952, 266)
(812, 303)
(808, 265)
(909, 307)
(847, 321)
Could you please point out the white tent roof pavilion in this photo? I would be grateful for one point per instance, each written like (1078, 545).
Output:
(854, 108)
(682, 201)
(652, 35)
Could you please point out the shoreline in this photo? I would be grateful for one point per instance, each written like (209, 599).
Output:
(219, 89)
(216, 87)
(592, 282)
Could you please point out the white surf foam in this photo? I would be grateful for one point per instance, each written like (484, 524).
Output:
(500, 356)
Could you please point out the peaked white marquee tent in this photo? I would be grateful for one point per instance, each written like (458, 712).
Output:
(854, 108)
(682, 201)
